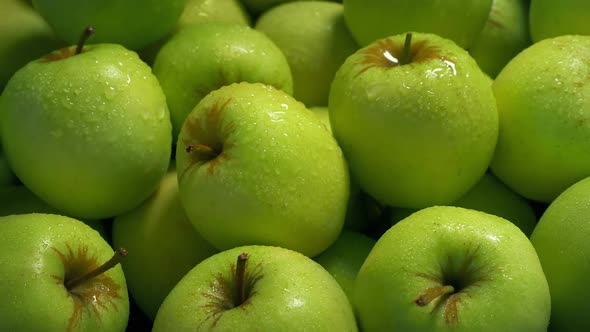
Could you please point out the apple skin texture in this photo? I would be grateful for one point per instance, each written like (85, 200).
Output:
(92, 143)
(543, 100)
(205, 57)
(164, 245)
(291, 293)
(281, 178)
(314, 38)
(344, 258)
(419, 134)
(561, 241)
(459, 20)
(504, 35)
(203, 11)
(507, 292)
(550, 18)
(260, 6)
(24, 36)
(34, 297)
(131, 23)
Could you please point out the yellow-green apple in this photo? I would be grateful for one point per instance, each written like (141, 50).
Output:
(18, 199)
(452, 269)
(504, 35)
(203, 11)
(165, 245)
(315, 40)
(459, 20)
(344, 258)
(416, 119)
(87, 129)
(259, 6)
(24, 36)
(543, 100)
(205, 57)
(131, 23)
(561, 241)
(256, 288)
(58, 274)
(549, 18)
(257, 167)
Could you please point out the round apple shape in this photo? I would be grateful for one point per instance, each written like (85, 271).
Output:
(24, 36)
(561, 241)
(256, 288)
(557, 18)
(58, 274)
(452, 269)
(205, 57)
(544, 106)
(87, 129)
(131, 23)
(504, 35)
(416, 119)
(315, 40)
(18, 199)
(256, 167)
(156, 231)
(459, 20)
(344, 258)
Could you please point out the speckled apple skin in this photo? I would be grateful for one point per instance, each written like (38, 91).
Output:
(33, 298)
(511, 295)
(205, 57)
(90, 134)
(415, 135)
(293, 293)
(561, 241)
(281, 179)
(543, 97)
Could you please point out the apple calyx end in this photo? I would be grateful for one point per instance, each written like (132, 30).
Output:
(111, 263)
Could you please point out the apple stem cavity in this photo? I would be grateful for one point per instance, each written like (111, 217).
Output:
(203, 149)
(432, 293)
(240, 295)
(407, 53)
(116, 259)
(86, 34)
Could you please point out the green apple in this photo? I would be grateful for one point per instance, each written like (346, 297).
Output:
(203, 11)
(204, 57)
(504, 35)
(344, 258)
(491, 196)
(544, 109)
(88, 133)
(54, 279)
(416, 119)
(256, 288)
(561, 241)
(549, 18)
(260, 6)
(452, 269)
(24, 36)
(18, 199)
(7, 176)
(314, 38)
(256, 167)
(459, 20)
(165, 246)
(131, 23)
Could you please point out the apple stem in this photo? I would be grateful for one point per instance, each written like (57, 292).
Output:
(407, 54)
(240, 294)
(116, 259)
(204, 149)
(86, 34)
(432, 293)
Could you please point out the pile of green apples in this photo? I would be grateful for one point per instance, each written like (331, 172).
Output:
(280, 165)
